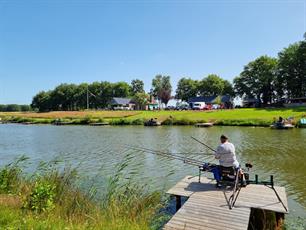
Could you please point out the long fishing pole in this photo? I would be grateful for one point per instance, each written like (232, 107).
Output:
(169, 155)
(203, 144)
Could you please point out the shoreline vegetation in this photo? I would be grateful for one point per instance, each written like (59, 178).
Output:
(234, 117)
(50, 198)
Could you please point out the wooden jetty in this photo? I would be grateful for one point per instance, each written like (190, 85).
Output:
(208, 124)
(207, 206)
(62, 123)
(99, 124)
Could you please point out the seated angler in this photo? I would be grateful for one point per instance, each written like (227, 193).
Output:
(225, 153)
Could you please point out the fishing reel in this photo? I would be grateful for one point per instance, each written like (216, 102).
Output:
(207, 167)
(248, 166)
(246, 174)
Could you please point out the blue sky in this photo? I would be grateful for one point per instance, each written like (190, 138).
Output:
(45, 43)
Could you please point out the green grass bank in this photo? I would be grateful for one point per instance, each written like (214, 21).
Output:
(235, 117)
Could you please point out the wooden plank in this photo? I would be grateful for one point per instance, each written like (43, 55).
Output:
(222, 218)
(202, 223)
(207, 206)
(209, 214)
(263, 197)
(188, 185)
(254, 196)
(238, 211)
(211, 221)
(186, 224)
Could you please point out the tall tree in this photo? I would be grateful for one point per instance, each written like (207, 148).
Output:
(212, 85)
(186, 88)
(257, 79)
(121, 89)
(161, 88)
(106, 93)
(62, 97)
(80, 96)
(141, 100)
(42, 102)
(291, 74)
(228, 88)
(94, 89)
(137, 86)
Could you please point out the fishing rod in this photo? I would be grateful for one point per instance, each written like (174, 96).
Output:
(186, 160)
(168, 155)
(203, 144)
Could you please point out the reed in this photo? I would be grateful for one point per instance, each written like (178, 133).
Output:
(52, 199)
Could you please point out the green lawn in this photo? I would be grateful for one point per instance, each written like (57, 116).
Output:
(250, 113)
(248, 116)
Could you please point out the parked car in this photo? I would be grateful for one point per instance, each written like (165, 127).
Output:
(170, 107)
(122, 108)
(183, 107)
(198, 105)
(216, 106)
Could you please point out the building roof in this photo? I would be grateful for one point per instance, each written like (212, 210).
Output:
(121, 101)
(250, 100)
(210, 99)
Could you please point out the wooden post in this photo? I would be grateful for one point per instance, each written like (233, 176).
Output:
(199, 174)
(178, 202)
(279, 217)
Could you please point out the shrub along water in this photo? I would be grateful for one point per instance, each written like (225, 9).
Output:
(51, 199)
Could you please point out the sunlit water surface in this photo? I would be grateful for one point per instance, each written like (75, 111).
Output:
(96, 151)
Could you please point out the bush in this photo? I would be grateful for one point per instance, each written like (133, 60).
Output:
(246, 122)
(138, 121)
(42, 197)
(85, 121)
(120, 121)
(174, 121)
(184, 121)
(101, 120)
(168, 121)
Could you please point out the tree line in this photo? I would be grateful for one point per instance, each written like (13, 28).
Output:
(98, 95)
(14, 108)
(266, 79)
(269, 79)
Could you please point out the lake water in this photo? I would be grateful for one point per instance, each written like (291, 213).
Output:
(97, 150)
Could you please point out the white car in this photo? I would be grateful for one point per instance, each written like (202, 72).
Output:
(122, 108)
(198, 105)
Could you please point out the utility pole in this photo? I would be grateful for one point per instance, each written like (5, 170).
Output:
(87, 99)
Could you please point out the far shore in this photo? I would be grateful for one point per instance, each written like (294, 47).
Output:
(236, 117)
